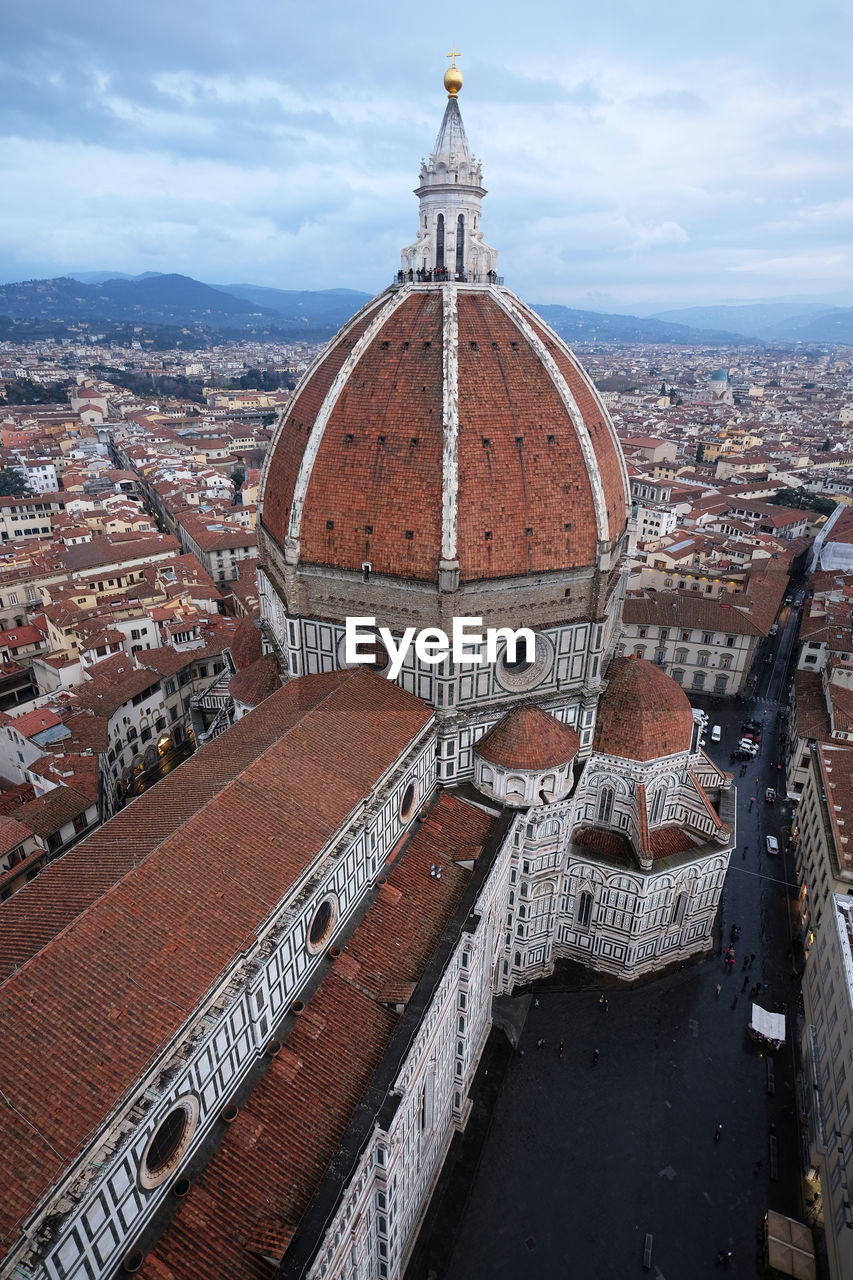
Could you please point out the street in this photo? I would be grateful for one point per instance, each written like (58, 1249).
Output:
(580, 1160)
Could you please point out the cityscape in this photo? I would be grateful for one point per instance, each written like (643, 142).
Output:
(426, 724)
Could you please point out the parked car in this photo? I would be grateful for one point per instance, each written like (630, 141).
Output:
(772, 845)
(770, 795)
(754, 725)
(716, 733)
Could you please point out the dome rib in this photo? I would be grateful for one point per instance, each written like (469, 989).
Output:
(516, 314)
(643, 714)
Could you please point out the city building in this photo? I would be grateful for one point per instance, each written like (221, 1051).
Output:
(828, 1057)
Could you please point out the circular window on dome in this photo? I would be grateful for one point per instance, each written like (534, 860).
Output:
(168, 1144)
(409, 800)
(372, 648)
(528, 667)
(322, 924)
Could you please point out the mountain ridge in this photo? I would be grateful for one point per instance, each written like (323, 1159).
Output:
(171, 299)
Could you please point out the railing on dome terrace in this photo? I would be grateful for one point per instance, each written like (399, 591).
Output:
(441, 275)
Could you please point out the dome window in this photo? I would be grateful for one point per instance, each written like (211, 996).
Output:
(169, 1143)
(527, 669)
(409, 800)
(322, 924)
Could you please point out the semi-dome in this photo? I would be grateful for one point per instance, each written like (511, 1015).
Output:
(529, 738)
(445, 426)
(643, 714)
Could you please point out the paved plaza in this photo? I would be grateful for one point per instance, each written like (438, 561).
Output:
(568, 1163)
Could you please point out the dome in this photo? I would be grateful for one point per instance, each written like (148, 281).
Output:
(643, 714)
(445, 425)
(529, 738)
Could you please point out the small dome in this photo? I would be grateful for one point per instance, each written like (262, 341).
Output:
(529, 739)
(643, 714)
(256, 682)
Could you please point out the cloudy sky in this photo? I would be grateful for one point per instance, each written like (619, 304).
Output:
(637, 156)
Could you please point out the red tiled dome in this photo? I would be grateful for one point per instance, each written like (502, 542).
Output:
(643, 714)
(256, 682)
(445, 422)
(529, 738)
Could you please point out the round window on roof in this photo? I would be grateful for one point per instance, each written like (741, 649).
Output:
(408, 801)
(528, 667)
(322, 923)
(373, 648)
(169, 1142)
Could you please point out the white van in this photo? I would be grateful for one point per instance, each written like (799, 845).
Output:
(716, 733)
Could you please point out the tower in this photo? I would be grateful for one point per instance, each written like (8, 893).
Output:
(449, 242)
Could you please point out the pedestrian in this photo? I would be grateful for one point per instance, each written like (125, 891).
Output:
(540, 1043)
(560, 1050)
(596, 1054)
(752, 958)
(718, 1133)
(536, 1003)
(718, 989)
(745, 983)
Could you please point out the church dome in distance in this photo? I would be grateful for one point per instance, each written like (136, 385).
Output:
(529, 738)
(643, 714)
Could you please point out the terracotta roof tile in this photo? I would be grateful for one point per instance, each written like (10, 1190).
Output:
(375, 492)
(529, 738)
(194, 863)
(296, 1117)
(643, 714)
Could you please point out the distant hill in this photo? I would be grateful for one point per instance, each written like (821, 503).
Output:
(312, 308)
(772, 321)
(168, 301)
(586, 326)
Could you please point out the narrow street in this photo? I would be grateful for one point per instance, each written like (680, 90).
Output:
(580, 1160)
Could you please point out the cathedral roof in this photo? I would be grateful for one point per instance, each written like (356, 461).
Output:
(529, 738)
(643, 714)
(297, 1115)
(160, 901)
(445, 423)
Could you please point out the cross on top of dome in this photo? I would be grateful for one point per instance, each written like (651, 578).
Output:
(453, 76)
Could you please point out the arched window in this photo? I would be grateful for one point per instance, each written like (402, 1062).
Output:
(515, 788)
(460, 245)
(678, 908)
(678, 676)
(584, 909)
(439, 241)
(657, 807)
(640, 651)
(605, 804)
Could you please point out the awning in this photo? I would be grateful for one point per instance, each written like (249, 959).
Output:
(769, 1025)
(789, 1247)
